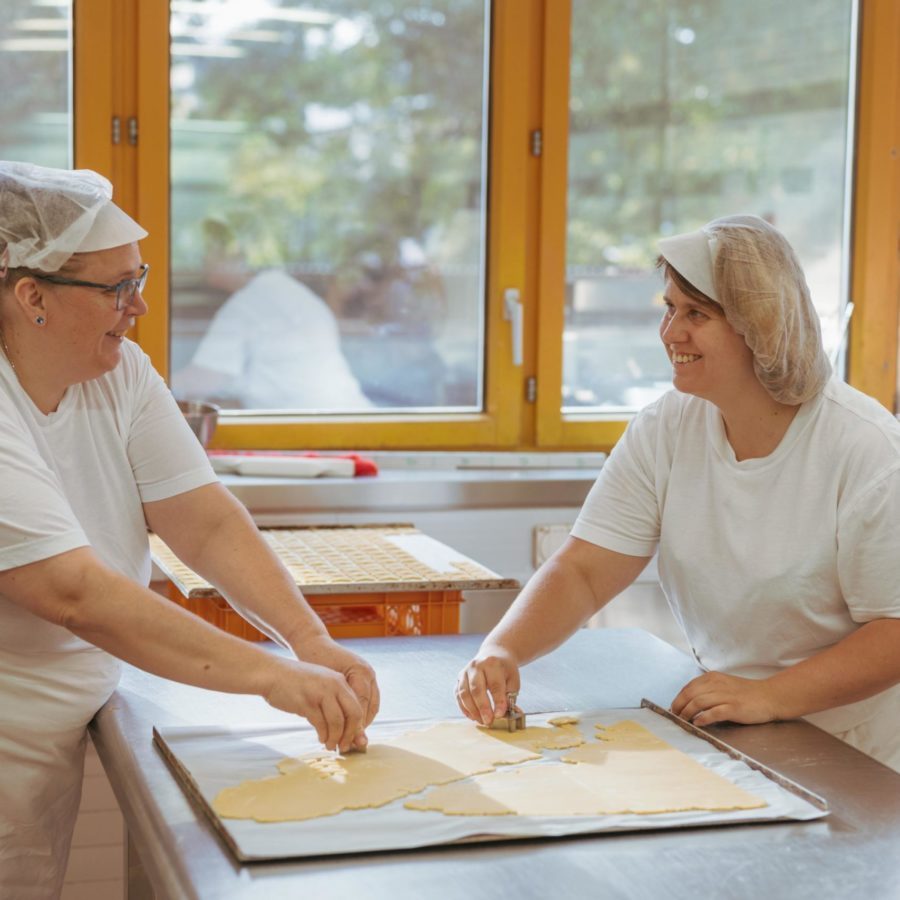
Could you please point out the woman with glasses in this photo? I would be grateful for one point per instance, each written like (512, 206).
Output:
(93, 450)
(769, 490)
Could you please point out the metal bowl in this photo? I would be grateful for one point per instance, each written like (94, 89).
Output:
(202, 417)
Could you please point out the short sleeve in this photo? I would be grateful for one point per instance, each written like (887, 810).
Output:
(869, 550)
(36, 520)
(166, 457)
(621, 512)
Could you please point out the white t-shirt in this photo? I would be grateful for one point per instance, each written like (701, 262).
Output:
(280, 344)
(79, 476)
(765, 562)
(74, 478)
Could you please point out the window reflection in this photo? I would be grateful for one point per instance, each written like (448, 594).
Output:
(328, 204)
(35, 64)
(682, 112)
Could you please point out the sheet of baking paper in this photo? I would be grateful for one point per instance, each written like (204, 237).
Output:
(220, 758)
(432, 553)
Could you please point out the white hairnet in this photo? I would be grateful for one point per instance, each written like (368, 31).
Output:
(748, 267)
(46, 215)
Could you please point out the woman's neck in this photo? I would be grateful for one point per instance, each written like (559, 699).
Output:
(45, 396)
(756, 424)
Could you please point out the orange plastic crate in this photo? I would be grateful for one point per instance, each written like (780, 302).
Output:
(347, 615)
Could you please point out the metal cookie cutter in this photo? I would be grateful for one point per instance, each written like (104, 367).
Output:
(514, 720)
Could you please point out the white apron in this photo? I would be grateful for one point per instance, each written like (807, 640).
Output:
(46, 703)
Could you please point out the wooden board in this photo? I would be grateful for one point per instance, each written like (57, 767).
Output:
(363, 559)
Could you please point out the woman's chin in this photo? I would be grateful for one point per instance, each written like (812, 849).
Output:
(110, 354)
(687, 385)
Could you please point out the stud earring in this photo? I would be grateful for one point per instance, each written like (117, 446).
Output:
(39, 320)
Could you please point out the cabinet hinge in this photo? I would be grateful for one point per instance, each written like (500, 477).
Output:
(531, 389)
(537, 142)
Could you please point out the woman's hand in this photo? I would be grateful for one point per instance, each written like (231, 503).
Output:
(717, 697)
(484, 683)
(320, 695)
(323, 651)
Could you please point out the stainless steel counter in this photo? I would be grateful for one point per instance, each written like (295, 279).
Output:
(398, 491)
(852, 852)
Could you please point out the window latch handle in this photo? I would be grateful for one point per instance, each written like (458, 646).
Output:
(512, 312)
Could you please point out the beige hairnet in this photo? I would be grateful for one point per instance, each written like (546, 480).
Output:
(46, 215)
(749, 268)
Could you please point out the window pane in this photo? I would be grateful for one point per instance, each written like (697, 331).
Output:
(35, 71)
(328, 203)
(682, 111)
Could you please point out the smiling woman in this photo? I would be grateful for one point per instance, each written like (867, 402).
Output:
(80, 330)
(58, 330)
(772, 495)
(93, 450)
(709, 358)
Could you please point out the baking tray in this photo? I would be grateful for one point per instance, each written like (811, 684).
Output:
(206, 759)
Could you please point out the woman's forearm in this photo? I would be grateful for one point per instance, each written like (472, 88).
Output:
(862, 664)
(562, 595)
(336, 691)
(577, 581)
(553, 604)
(233, 556)
(247, 572)
(144, 629)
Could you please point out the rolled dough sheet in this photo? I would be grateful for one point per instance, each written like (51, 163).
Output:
(209, 760)
(628, 770)
(561, 735)
(323, 784)
(564, 720)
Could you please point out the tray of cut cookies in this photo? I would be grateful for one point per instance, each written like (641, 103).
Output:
(273, 792)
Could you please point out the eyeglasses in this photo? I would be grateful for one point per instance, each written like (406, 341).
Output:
(125, 291)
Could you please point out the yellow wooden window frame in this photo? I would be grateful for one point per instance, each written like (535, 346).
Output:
(875, 226)
(121, 69)
(875, 254)
(512, 210)
(92, 74)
